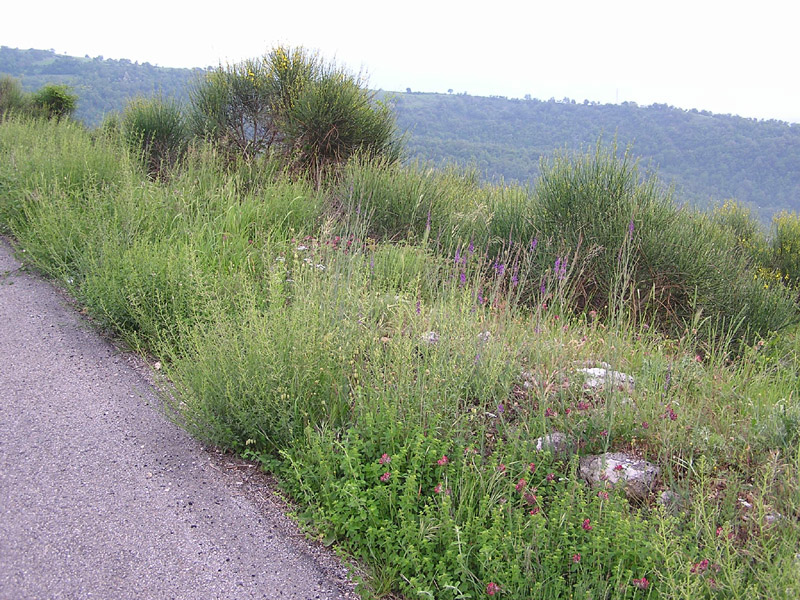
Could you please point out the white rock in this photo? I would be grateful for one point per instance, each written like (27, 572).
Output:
(598, 379)
(637, 475)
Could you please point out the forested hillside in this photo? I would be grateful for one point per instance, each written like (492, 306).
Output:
(708, 157)
(102, 85)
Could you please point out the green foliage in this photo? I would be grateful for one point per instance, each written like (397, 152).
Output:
(786, 246)
(12, 98)
(464, 522)
(315, 115)
(299, 341)
(55, 101)
(156, 130)
(334, 118)
(640, 254)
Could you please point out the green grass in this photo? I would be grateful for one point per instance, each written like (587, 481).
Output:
(296, 328)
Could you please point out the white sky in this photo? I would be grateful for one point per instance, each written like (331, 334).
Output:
(723, 56)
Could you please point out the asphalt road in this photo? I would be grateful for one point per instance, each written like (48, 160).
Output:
(102, 497)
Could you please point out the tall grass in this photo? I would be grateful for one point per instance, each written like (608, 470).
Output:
(396, 371)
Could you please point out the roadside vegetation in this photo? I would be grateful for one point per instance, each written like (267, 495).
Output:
(394, 341)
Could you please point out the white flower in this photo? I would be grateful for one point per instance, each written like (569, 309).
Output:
(300, 248)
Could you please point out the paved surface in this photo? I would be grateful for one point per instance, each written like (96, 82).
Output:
(102, 497)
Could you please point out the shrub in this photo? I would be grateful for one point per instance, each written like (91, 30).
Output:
(12, 98)
(313, 114)
(55, 101)
(786, 246)
(643, 256)
(334, 118)
(156, 129)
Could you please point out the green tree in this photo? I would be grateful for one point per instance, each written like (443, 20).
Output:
(55, 101)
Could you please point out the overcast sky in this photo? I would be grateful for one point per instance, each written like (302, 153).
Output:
(726, 57)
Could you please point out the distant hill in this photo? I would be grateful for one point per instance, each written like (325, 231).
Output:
(708, 157)
(102, 85)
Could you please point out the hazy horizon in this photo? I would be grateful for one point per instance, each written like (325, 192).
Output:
(707, 56)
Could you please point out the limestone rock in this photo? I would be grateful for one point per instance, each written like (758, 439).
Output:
(600, 378)
(637, 475)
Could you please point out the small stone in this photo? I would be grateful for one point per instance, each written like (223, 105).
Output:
(430, 338)
(556, 442)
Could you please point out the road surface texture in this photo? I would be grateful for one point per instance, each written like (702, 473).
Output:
(102, 497)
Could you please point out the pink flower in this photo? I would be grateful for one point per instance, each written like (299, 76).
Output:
(699, 567)
(602, 495)
(534, 511)
(618, 467)
(532, 467)
(492, 588)
(587, 524)
(443, 461)
(645, 424)
(530, 498)
(385, 477)
(642, 583)
(576, 558)
(520, 485)
(438, 488)
(550, 476)
(549, 412)
(501, 468)
(385, 459)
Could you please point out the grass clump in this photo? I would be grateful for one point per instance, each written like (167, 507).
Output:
(155, 129)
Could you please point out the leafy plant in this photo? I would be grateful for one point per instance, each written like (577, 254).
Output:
(55, 101)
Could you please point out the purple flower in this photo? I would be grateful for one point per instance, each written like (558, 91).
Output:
(418, 307)
(458, 256)
(471, 248)
(499, 268)
(630, 229)
(543, 289)
(560, 268)
(463, 278)
(481, 299)
(534, 243)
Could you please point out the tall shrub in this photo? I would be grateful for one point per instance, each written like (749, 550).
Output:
(315, 115)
